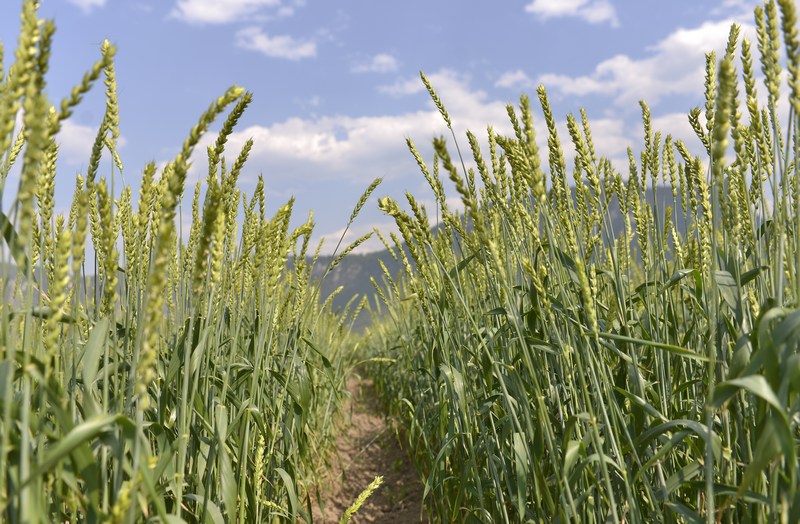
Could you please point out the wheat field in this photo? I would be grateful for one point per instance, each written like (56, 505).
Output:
(578, 343)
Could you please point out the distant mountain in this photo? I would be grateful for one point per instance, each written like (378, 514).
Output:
(353, 273)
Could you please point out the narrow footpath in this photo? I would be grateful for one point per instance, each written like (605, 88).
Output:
(369, 448)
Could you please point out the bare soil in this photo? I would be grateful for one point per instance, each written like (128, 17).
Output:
(365, 449)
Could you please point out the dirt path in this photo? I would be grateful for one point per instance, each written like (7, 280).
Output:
(368, 449)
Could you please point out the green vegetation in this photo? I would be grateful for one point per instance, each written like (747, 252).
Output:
(570, 348)
(192, 379)
(551, 367)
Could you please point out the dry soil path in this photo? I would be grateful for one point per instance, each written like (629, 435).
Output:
(364, 450)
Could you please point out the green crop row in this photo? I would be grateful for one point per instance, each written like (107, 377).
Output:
(583, 345)
(146, 376)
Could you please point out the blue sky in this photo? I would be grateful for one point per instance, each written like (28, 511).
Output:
(336, 82)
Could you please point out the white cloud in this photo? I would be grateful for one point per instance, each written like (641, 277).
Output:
(352, 149)
(75, 142)
(216, 11)
(331, 147)
(676, 66)
(354, 232)
(403, 87)
(280, 46)
(360, 148)
(609, 135)
(87, 5)
(381, 63)
(677, 125)
(592, 11)
(514, 79)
